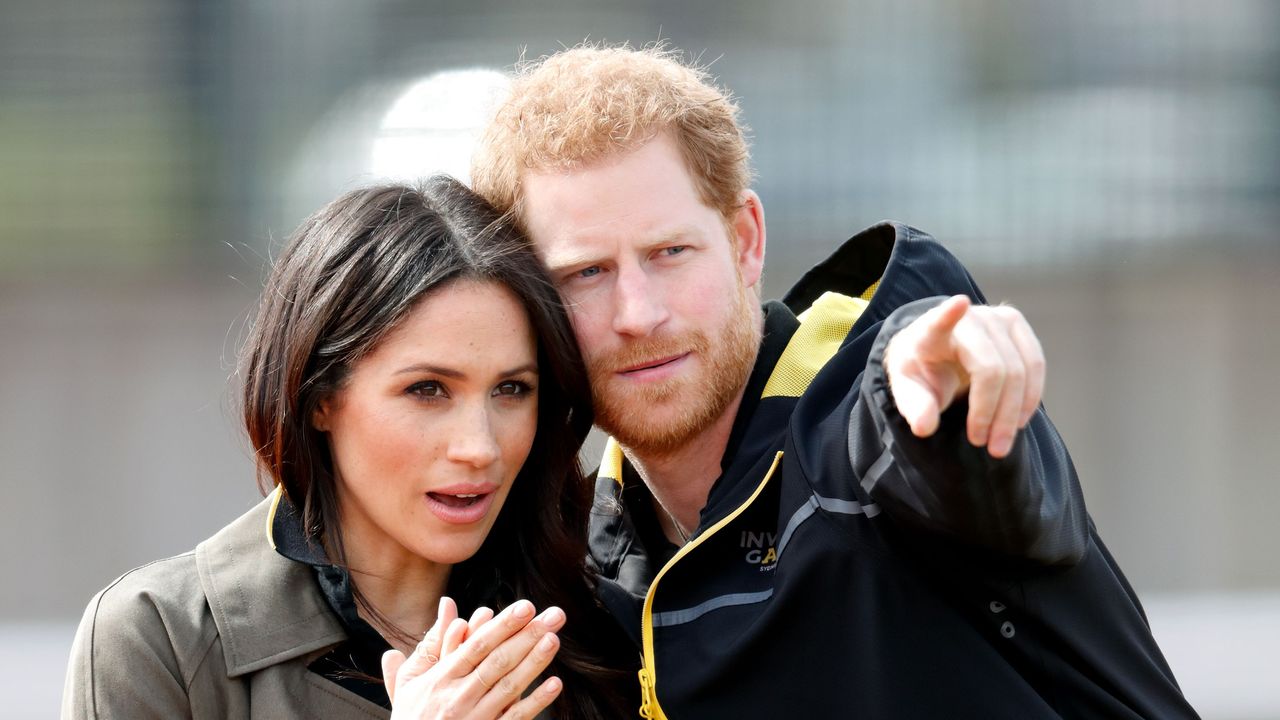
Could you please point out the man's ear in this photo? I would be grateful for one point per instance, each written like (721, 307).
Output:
(749, 236)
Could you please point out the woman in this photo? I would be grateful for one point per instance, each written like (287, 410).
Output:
(393, 391)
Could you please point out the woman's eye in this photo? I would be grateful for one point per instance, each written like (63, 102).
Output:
(512, 387)
(428, 388)
(588, 272)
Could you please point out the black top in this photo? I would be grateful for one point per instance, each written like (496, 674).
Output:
(355, 663)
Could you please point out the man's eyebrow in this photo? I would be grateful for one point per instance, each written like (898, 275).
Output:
(564, 261)
(531, 367)
(680, 232)
(570, 259)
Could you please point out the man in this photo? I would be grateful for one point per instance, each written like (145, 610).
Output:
(845, 504)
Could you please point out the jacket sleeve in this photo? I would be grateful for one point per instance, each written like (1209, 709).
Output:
(123, 664)
(1027, 505)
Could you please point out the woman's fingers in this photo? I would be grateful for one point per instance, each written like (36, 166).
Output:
(424, 656)
(492, 634)
(518, 661)
(481, 616)
(536, 702)
(508, 689)
(454, 636)
(491, 668)
(391, 662)
(483, 668)
(433, 642)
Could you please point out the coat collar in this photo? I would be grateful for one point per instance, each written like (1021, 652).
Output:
(267, 608)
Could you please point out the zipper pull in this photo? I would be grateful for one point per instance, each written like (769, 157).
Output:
(647, 695)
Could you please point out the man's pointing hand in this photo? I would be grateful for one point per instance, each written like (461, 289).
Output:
(990, 353)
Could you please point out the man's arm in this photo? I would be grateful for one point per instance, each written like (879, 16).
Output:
(949, 437)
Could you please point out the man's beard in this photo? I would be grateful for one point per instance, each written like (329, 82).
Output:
(632, 415)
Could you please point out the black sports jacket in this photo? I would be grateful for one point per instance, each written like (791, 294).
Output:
(844, 568)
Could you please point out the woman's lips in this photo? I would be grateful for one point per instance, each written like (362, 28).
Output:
(460, 505)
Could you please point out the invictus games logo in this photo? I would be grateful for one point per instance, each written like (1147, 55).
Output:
(760, 548)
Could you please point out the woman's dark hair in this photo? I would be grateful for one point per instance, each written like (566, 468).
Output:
(349, 274)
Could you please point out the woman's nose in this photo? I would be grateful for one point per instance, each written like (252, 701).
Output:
(473, 442)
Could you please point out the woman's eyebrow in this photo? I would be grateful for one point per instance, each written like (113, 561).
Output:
(531, 368)
(458, 374)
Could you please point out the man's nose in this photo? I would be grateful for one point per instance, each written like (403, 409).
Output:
(473, 442)
(639, 303)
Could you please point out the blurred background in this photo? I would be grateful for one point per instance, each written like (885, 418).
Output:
(1112, 168)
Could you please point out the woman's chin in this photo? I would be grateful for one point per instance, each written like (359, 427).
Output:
(453, 551)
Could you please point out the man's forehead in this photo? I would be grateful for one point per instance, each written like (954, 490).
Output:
(635, 199)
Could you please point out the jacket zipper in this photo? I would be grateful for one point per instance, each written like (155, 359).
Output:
(649, 707)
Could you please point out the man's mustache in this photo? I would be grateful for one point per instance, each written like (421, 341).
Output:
(648, 351)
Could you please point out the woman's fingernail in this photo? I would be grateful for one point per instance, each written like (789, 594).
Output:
(522, 609)
(552, 616)
(547, 643)
(551, 686)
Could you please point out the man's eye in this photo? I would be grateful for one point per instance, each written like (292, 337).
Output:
(427, 388)
(588, 272)
(512, 387)
(674, 249)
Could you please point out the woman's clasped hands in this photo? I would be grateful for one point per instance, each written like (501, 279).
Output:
(478, 668)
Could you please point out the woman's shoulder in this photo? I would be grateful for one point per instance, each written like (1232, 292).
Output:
(141, 642)
(172, 594)
(160, 589)
(158, 610)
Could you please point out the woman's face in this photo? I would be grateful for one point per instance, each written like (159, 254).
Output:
(430, 429)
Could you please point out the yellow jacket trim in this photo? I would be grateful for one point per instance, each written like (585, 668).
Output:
(271, 515)
(822, 328)
(611, 462)
(649, 707)
(866, 294)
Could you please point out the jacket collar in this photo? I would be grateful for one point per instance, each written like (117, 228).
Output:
(267, 608)
(889, 264)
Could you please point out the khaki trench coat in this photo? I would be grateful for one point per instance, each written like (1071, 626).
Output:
(226, 631)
